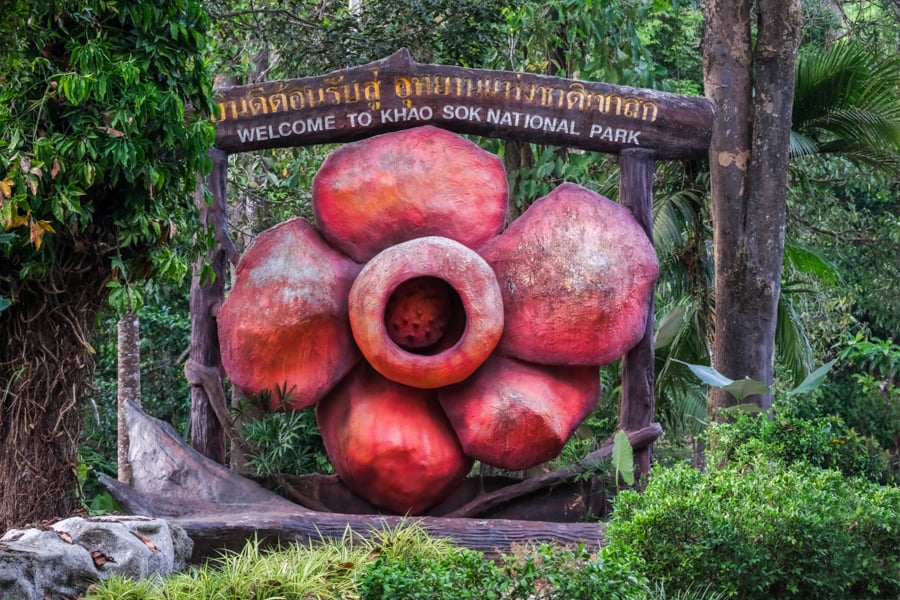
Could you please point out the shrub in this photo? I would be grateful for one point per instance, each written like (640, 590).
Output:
(822, 441)
(543, 572)
(766, 531)
(285, 442)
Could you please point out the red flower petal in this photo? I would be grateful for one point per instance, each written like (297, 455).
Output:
(516, 415)
(391, 444)
(390, 188)
(577, 274)
(285, 322)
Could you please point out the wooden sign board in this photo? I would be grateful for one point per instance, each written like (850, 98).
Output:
(398, 93)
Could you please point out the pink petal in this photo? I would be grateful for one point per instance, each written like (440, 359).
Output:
(515, 415)
(285, 322)
(577, 273)
(387, 189)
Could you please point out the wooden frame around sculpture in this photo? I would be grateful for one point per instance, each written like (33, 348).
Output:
(639, 125)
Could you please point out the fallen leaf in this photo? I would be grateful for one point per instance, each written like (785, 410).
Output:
(65, 536)
(101, 559)
(146, 540)
(6, 187)
(54, 170)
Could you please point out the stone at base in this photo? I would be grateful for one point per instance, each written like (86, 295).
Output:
(38, 564)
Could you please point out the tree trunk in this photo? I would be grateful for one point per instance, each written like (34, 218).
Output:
(751, 84)
(208, 434)
(129, 385)
(45, 372)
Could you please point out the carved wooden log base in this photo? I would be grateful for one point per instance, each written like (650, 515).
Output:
(219, 509)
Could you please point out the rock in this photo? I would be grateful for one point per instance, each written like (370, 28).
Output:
(74, 553)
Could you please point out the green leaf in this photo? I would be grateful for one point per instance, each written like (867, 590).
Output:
(4, 303)
(746, 387)
(668, 327)
(813, 380)
(707, 375)
(623, 458)
(748, 408)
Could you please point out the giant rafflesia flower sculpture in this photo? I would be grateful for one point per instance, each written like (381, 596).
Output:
(425, 335)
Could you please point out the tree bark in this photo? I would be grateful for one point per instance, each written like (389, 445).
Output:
(638, 404)
(751, 84)
(45, 369)
(129, 384)
(207, 431)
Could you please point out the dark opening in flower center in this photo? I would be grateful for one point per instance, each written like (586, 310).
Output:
(419, 312)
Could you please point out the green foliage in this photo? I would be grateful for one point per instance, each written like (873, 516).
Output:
(543, 572)
(766, 531)
(845, 102)
(460, 573)
(102, 130)
(623, 458)
(673, 36)
(165, 394)
(597, 40)
(864, 393)
(402, 563)
(296, 572)
(824, 441)
(285, 443)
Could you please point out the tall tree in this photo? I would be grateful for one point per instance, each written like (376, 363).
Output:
(98, 160)
(750, 50)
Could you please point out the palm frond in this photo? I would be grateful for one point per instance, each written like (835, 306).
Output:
(846, 102)
(811, 263)
(792, 348)
(802, 146)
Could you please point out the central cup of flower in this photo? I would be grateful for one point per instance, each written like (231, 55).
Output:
(426, 312)
(418, 313)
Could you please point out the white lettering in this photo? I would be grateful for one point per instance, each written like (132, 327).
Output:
(361, 119)
(245, 135)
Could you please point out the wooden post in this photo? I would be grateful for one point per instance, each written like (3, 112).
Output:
(207, 433)
(129, 384)
(638, 401)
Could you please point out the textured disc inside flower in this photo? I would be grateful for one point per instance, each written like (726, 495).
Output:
(418, 312)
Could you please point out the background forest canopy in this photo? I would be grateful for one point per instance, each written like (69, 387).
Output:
(840, 283)
(843, 240)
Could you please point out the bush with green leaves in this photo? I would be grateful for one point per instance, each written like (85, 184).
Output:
(285, 443)
(822, 441)
(764, 531)
(542, 572)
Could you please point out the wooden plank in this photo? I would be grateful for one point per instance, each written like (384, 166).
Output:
(398, 93)
(638, 400)
(214, 532)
